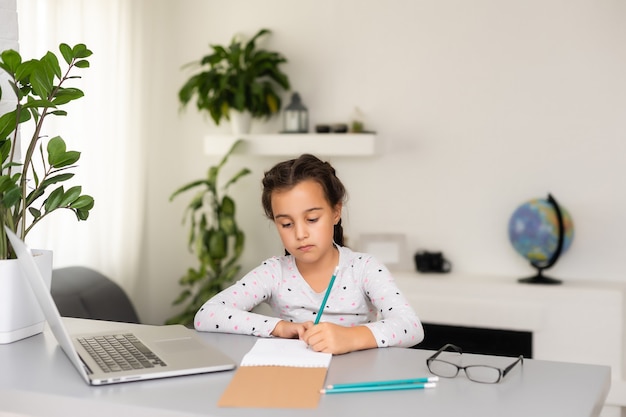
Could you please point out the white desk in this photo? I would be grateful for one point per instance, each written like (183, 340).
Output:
(36, 379)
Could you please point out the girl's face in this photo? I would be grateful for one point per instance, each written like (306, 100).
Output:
(305, 221)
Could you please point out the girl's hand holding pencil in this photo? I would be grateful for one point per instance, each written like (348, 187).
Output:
(332, 338)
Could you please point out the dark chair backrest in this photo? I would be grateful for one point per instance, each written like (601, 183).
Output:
(85, 293)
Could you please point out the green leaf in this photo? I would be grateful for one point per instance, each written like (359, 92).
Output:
(54, 200)
(11, 60)
(10, 192)
(211, 180)
(67, 53)
(7, 122)
(12, 196)
(186, 187)
(56, 146)
(39, 80)
(67, 159)
(82, 215)
(84, 203)
(242, 173)
(34, 195)
(195, 204)
(70, 196)
(217, 244)
(83, 63)
(228, 206)
(23, 71)
(65, 95)
(5, 181)
(33, 104)
(5, 150)
(240, 240)
(58, 157)
(227, 223)
(81, 51)
(35, 114)
(57, 178)
(50, 63)
(34, 212)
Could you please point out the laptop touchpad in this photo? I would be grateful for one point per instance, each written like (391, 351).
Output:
(179, 345)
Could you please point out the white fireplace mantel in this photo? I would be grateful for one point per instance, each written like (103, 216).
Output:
(579, 322)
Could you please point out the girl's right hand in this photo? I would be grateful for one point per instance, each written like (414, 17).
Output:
(289, 330)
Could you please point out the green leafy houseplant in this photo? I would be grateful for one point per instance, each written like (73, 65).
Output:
(29, 189)
(214, 238)
(239, 77)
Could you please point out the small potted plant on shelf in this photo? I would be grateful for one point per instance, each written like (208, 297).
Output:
(30, 185)
(237, 81)
(214, 237)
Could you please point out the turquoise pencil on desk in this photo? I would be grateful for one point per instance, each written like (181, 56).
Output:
(382, 383)
(370, 388)
(330, 287)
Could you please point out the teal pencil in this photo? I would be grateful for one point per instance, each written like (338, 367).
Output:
(396, 387)
(330, 287)
(381, 383)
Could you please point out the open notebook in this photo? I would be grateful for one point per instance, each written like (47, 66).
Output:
(278, 373)
(285, 352)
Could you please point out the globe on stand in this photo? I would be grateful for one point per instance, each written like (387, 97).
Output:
(541, 231)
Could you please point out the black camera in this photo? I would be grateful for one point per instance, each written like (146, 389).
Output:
(431, 262)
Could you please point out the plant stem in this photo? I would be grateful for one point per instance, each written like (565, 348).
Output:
(31, 150)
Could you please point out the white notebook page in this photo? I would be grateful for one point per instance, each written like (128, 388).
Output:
(285, 352)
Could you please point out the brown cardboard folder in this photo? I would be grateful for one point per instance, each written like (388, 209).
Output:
(274, 387)
(278, 373)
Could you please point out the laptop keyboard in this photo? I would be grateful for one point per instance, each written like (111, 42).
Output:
(122, 352)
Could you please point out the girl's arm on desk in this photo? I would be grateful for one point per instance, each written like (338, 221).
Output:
(230, 310)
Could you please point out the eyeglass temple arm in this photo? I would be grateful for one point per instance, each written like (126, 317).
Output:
(506, 370)
(445, 347)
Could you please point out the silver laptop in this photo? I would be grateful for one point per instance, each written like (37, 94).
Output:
(107, 358)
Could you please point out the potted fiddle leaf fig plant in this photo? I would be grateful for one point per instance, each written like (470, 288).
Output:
(238, 79)
(214, 238)
(31, 184)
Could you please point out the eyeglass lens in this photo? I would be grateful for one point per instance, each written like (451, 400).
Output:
(444, 369)
(476, 373)
(485, 374)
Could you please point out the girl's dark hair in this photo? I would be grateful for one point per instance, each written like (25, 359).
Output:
(286, 175)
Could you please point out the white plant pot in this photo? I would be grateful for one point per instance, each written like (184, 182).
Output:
(240, 122)
(20, 314)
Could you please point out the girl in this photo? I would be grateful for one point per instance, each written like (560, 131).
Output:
(365, 309)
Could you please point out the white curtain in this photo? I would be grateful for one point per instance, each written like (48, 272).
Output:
(103, 126)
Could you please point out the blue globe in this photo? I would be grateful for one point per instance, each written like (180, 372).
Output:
(534, 231)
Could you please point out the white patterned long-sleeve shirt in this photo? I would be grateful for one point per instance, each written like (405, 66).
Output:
(364, 293)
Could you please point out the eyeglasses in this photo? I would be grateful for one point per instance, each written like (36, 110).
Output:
(484, 374)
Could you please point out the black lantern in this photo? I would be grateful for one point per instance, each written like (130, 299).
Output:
(296, 116)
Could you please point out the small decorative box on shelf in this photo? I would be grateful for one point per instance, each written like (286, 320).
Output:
(293, 144)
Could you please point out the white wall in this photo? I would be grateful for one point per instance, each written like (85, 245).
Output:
(478, 106)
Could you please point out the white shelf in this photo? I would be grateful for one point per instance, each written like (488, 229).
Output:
(293, 144)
